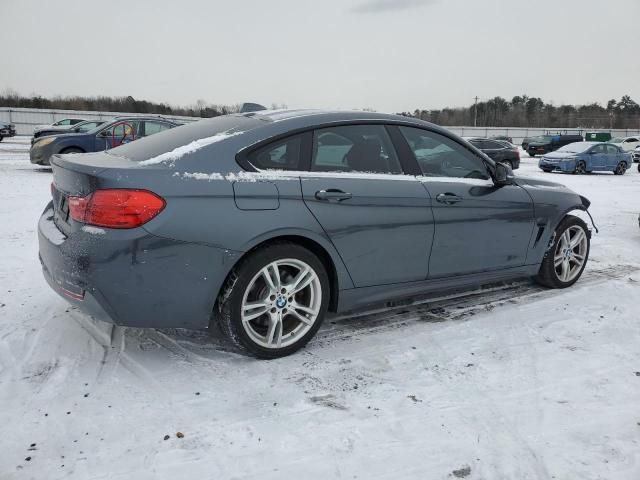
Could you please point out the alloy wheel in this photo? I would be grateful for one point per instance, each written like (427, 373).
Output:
(281, 303)
(570, 253)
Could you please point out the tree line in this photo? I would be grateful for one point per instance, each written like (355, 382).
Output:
(12, 99)
(520, 111)
(525, 111)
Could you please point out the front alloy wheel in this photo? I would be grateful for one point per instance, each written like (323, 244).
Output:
(566, 259)
(581, 168)
(275, 301)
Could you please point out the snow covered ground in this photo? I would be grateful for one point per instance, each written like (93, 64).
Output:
(512, 382)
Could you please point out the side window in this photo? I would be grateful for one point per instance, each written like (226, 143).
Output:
(280, 155)
(439, 156)
(598, 149)
(494, 145)
(155, 127)
(612, 150)
(123, 132)
(354, 148)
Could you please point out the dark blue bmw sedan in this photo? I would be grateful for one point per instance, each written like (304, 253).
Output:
(260, 223)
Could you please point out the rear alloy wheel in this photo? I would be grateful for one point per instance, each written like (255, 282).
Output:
(620, 168)
(581, 168)
(566, 259)
(274, 301)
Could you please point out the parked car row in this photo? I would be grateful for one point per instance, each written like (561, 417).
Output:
(94, 136)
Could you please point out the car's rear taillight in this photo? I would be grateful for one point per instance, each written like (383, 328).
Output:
(116, 208)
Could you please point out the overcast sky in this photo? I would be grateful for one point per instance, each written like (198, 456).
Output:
(389, 55)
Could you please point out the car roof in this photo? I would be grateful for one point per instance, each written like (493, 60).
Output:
(283, 121)
(328, 116)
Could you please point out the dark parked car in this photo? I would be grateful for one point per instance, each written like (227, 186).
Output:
(7, 130)
(499, 151)
(259, 223)
(587, 157)
(81, 127)
(548, 143)
(118, 131)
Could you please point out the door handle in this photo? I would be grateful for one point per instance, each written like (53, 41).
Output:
(332, 194)
(448, 198)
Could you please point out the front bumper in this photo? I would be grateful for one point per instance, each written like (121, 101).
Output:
(7, 132)
(132, 278)
(40, 155)
(562, 166)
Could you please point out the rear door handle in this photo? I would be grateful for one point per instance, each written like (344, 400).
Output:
(332, 194)
(448, 198)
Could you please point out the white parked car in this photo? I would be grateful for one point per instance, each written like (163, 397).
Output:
(636, 155)
(628, 144)
(60, 124)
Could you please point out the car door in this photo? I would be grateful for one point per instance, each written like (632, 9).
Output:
(478, 226)
(598, 157)
(118, 133)
(377, 217)
(613, 157)
(495, 150)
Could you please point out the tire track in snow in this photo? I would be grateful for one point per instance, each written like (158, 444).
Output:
(453, 307)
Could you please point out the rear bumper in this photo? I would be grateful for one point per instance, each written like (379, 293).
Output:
(132, 278)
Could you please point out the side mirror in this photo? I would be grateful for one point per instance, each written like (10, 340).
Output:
(503, 175)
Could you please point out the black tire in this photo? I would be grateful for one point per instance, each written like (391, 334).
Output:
(1, 138)
(620, 168)
(229, 304)
(580, 168)
(546, 170)
(72, 150)
(547, 274)
(639, 167)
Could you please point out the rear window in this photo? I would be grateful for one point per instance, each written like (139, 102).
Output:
(165, 142)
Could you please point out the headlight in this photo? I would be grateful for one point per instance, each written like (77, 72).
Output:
(44, 141)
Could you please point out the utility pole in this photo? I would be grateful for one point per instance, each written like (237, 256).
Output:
(475, 112)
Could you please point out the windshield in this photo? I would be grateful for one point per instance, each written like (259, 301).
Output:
(87, 126)
(577, 147)
(616, 140)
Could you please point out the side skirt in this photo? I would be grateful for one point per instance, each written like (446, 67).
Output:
(355, 298)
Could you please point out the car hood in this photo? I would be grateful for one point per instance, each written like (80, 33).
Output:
(52, 129)
(536, 182)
